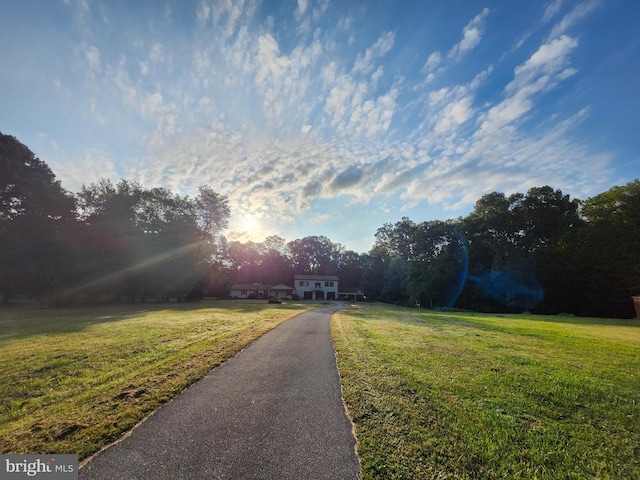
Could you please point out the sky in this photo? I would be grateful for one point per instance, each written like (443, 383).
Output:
(327, 117)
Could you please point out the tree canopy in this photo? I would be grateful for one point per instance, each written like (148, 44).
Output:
(540, 251)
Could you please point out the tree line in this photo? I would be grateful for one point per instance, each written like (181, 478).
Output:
(539, 251)
(109, 241)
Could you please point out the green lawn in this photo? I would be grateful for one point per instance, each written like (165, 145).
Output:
(463, 395)
(72, 380)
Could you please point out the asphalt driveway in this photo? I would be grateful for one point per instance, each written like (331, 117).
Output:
(273, 411)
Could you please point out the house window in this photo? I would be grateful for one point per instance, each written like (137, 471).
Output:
(318, 285)
(328, 284)
(243, 292)
(301, 283)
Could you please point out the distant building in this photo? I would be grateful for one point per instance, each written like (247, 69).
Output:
(351, 294)
(280, 291)
(316, 287)
(306, 287)
(259, 290)
(249, 290)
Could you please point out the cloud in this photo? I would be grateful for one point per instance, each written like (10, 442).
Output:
(92, 54)
(88, 166)
(288, 124)
(301, 8)
(202, 13)
(283, 80)
(548, 60)
(471, 36)
(541, 71)
(374, 116)
(337, 104)
(433, 61)
(552, 10)
(152, 104)
(364, 63)
(454, 114)
(576, 14)
(347, 178)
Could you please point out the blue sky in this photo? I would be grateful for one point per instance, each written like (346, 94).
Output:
(327, 117)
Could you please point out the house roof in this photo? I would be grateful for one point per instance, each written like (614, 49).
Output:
(350, 290)
(281, 287)
(259, 286)
(316, 277)
(249, 286)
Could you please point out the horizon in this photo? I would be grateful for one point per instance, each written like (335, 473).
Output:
(327, 118)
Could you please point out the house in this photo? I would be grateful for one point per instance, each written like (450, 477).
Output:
(280, 291)
(249, 290)
(354, 294)
(316, 287)
(259, 290)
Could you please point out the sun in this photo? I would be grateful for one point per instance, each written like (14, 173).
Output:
(250, 224)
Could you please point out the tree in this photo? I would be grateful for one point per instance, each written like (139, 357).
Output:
(609, 250)
(36, 215)
(376, 265)
(398, 238)
(28, 187)
(276, 265)
(350, 268)
(315, 255)
(212, 214)
(543, 215)
(435, 275)
(150, 242)
(244, 262)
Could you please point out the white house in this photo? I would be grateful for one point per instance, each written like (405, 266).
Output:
(316, 287)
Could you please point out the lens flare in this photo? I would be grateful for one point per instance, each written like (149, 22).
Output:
(502, 286)
(464, 269)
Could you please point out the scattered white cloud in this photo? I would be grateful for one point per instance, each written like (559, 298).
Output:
(433, 61)
(301, 8)
(384, 44)
(552, 10)
(203, 12)
(152, 104)
(92, 55)
(283, 124)
(576, 14)
(453, 115)
(547, 61)
(471, 35)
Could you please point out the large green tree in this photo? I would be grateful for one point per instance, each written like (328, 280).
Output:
(143, 242)
(36, 216)
(608, 252)
(315, 254)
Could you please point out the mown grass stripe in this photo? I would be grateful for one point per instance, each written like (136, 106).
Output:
(459, 395)
(73, 380)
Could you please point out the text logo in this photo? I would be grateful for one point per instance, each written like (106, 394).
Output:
(49, 467)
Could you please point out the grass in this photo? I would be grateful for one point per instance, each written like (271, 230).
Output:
(462, 395)
(73, 380)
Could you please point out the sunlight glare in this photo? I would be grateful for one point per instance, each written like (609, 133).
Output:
(250, 224)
